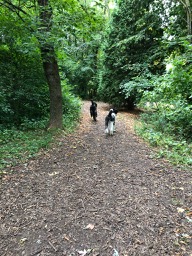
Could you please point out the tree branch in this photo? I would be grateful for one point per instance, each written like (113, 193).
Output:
(14, 7)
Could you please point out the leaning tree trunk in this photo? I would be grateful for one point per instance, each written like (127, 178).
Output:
(50, 66)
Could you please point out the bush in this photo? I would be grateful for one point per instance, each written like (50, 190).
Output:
(23, 90)
(171, 119)
(71, 106)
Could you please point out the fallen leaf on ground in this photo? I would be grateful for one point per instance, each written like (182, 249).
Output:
(53, 173)
(180, 210)
(84, 252)
(90, 226)
(22, 240)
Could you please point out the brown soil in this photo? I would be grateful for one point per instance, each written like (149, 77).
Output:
(97, 195)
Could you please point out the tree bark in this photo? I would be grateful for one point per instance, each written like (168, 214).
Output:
(187, 5)
(50, 67)
(189, 17)
(51, 71)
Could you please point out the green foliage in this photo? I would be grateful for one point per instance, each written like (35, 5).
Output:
(181, 76)
(24, 93)
(132, 51)
(23, 89)
(131, 63)
(71, 107)
(172, 95)
(168, 121)
(77, 32)
(177, 150)
(80, 75)
(134, 89)
(175, 18)
(172, 119)
(17, 146)
(20, 145)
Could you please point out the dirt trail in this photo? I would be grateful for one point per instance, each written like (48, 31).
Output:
(97, 195)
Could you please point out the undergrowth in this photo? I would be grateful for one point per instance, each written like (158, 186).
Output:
(174, 148)
(20, 145)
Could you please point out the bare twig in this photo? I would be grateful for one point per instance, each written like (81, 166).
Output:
(55, 249)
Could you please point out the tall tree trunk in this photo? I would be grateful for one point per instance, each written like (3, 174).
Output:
(50, 66)
(187, 5)
(189, 17)
(51, 71)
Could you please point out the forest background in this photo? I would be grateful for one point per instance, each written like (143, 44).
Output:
(132, 54)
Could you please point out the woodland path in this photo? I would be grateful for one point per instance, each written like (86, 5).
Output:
(97, 195)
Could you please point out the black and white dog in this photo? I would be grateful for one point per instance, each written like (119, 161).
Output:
(110, 122)
(93, 110)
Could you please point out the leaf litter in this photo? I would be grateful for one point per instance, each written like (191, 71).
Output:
(93, 194)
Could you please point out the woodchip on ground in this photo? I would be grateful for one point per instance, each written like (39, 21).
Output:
(93, 194)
